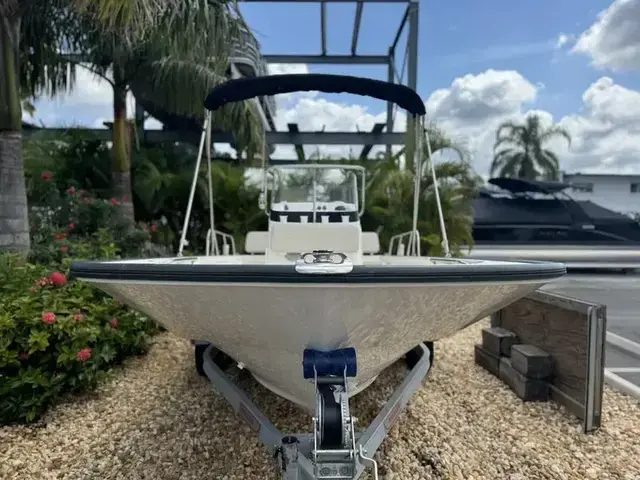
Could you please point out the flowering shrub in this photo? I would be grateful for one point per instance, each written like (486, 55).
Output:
(57, 336)
(76, 223)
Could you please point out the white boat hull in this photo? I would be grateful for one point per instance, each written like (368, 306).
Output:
(266, 325)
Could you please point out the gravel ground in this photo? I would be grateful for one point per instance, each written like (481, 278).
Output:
(157, 419)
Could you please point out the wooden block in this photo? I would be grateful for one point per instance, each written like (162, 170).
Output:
(527, 389)
(531, 361)
(487, 361)
(498, 341)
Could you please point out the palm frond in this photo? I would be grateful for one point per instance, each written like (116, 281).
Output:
(555, 131)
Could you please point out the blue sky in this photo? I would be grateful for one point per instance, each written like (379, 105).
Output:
(455, 38)
(574, 62)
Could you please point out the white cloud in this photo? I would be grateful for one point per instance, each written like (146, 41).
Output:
(563, 39)
(613, 41)
(90, 98)
(606, 134)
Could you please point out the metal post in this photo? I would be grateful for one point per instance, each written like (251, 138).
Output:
(412, 64)
(390, 105)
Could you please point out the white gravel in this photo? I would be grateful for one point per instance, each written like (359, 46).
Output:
(157, 419)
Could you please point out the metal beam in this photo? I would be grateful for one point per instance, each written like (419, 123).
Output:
(328, 1)
(323, 28)
(279, 138)
(412, 12)
(329, 59)
(403, 22)
(293, 128)
(390, 106)
(377, 128)
(356, 27)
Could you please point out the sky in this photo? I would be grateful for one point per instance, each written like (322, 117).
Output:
(574, 62)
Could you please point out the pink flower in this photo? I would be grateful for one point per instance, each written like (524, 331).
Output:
(49, 318)
(114, 322)
(43, 282)
(71, 226)
(114, 201)
(71, 191)
(64, 249)
(84, 355)
(58, 279)
(153, 227)
(78, 317)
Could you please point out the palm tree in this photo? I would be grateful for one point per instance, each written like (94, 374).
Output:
(519, 150)
(390, 196)
(34, 32)
(172, 68)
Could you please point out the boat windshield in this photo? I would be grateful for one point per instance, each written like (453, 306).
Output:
(300, 188)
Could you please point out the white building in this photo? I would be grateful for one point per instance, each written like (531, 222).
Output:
(615, 192)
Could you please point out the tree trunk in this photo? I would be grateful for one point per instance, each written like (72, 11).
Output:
(121, 149)
(14, 220)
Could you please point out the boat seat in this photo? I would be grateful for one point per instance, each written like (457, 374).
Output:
(370, 243)
(256, 242)
(298, 238)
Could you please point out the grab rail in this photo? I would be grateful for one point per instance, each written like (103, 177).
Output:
(228, 243)
(414, 240)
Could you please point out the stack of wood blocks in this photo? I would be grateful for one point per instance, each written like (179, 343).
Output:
(526, 369)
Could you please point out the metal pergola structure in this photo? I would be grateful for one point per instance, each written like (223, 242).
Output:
(377, 136)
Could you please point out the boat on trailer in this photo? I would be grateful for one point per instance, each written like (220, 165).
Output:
(312, 309)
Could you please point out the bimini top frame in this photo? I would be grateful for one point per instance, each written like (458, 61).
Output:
(246, 88)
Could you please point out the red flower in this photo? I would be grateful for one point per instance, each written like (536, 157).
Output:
(23, 356)
(71, 226)
(64, 249)
(71, 191)
(49, 318)
(46, 176)
(153, 227)
(114, 201)
(84, 355)
(78, 317)
(58, 279)
(114, 322)
(61, 236)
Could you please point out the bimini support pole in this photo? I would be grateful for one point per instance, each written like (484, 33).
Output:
(212, 223)
(443, 228)
(194, 183)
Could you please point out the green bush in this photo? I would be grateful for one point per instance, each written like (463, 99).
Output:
(57, 336)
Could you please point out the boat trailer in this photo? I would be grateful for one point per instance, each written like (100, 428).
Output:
(334, 449)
